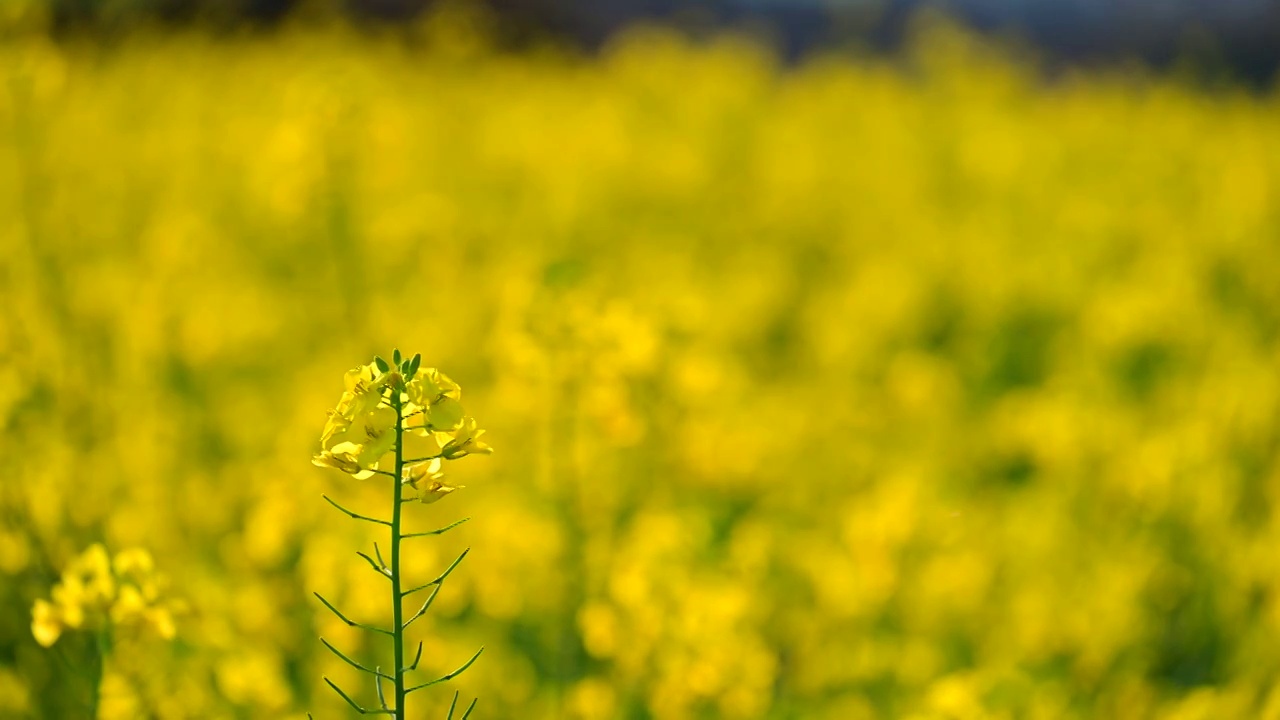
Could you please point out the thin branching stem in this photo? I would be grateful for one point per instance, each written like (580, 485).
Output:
(440, 579)
(447, 676)
(353, 704)
(357, 516)
(470, 707)
(349, 621)
(378, 568)
(441, 531)
(353, 663)
(416, 658)
(425, 606)
(452, 705)
(382, 698)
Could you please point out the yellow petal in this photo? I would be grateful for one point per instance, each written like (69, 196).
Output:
(445, 414)
(335, 430)
(133, 561)
(435, 490)
(421, 444)
(359, 376)
(45, 624)
(129, 606)
(161, 620)
(342, 457)
(418, 472)
(466, 441)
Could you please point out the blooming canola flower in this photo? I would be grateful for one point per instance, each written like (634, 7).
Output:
(428, 479)
(466, 441)
(426, 406)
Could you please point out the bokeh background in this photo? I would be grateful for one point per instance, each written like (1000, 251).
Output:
(931, 373)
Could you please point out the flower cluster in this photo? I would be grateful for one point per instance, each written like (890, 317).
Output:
(99, 593)
(360, 435)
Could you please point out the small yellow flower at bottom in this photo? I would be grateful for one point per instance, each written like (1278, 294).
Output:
(96, 593)
(46, 625)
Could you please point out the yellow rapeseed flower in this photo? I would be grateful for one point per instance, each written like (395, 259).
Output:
(466, 441)
(435, 401)
(134, 562)
(46, 623)
(427, 478)
(96, 593)
(344, 457)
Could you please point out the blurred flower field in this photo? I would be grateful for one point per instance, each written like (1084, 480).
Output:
(916, 389)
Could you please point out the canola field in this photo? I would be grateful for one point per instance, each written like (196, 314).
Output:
(922, 388)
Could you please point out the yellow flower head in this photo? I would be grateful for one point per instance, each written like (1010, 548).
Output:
(383, 403)
(97, 591)
(92, 574)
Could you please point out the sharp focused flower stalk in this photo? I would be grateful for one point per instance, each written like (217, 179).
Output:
(396, 604)
(400, 421)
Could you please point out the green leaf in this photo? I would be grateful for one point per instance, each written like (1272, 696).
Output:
(395, 356)
(382, 364)
(413, 364)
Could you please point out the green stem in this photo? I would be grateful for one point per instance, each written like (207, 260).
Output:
(396, 598)
(102, 646)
